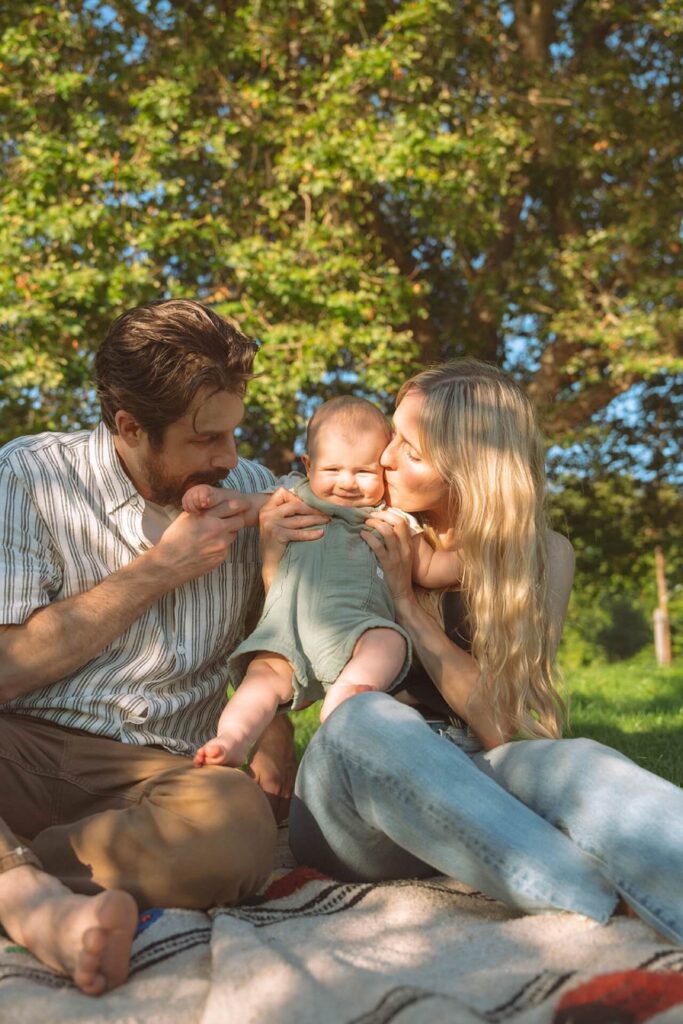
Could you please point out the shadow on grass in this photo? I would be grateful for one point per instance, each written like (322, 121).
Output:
(596, 705)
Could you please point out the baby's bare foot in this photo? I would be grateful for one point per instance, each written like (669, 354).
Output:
(222, 750)
(89, 938)
(212, 752)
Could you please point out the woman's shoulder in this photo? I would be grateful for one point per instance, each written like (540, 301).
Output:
(560, 580)
(560, 551)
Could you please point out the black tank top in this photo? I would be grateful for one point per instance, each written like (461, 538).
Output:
(417, 683)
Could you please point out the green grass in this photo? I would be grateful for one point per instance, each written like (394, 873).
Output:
(305, 723)
(634, 706)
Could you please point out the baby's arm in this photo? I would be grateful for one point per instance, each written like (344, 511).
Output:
(267, 683)
(217, 501)
(433, 569)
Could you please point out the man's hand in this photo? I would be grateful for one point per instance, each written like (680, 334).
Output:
(196, 544)
(285, 518)
(273, 765)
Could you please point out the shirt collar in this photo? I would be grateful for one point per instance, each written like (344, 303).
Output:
(116, 486)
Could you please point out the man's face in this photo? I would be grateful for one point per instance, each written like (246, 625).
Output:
(199, 448)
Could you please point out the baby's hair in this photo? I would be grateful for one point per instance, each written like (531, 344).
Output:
(347, 410)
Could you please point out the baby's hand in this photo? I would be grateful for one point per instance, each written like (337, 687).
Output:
(222, 750)
(201, 497)
(224, 503)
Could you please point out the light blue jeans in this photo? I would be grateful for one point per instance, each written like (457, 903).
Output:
(539, 824)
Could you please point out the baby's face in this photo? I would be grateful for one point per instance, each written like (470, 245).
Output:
(345, 469)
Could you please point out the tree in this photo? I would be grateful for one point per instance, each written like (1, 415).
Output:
(366, 186)
(617, 514)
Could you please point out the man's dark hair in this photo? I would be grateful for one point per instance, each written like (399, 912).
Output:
(155, 358)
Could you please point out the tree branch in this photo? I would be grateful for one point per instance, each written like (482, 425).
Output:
(552, 377)
(561, 417)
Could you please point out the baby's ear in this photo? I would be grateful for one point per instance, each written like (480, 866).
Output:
(307, 464)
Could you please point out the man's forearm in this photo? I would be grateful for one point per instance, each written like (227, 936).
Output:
(60, 638)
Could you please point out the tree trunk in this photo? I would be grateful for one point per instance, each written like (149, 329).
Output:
(661, 613)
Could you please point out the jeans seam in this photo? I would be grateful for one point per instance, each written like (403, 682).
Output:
(616, 882)
(659, 913)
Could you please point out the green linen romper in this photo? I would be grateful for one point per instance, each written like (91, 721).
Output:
(326, 594)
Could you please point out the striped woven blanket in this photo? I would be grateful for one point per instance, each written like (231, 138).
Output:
(310, 950)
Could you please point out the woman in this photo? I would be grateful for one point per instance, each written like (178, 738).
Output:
(390, 790)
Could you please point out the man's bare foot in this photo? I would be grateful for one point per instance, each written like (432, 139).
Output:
(89, 938)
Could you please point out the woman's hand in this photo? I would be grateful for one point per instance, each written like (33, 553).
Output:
(394, 554)
(285, 518)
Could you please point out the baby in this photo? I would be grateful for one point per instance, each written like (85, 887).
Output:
(327, 628)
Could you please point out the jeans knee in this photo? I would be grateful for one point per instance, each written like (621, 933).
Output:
(356, 716)
(587, 752)
(585, 747)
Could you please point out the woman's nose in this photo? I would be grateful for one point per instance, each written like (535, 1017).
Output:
(388, 457)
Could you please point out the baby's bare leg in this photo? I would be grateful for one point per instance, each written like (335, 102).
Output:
(376, 661)
(267, 684)
(87, 937)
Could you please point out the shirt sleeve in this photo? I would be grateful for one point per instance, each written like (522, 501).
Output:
(30, 567)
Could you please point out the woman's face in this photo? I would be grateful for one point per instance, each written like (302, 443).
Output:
(411, 483)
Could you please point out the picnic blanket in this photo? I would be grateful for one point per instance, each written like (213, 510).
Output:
(312, 950)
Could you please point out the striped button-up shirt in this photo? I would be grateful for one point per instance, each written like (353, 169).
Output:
(69, 517)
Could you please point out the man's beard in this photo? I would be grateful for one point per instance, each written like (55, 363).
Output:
(169, 490)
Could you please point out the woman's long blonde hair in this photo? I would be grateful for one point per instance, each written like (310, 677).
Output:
(478, 430)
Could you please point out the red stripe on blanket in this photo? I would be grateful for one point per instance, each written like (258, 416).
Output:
(291, 882)
(628, 997)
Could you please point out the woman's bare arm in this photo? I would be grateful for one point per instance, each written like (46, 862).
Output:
(453, 671)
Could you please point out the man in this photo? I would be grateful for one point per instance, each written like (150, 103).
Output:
(118, 613)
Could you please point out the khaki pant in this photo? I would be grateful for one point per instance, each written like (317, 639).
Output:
(99, 814)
